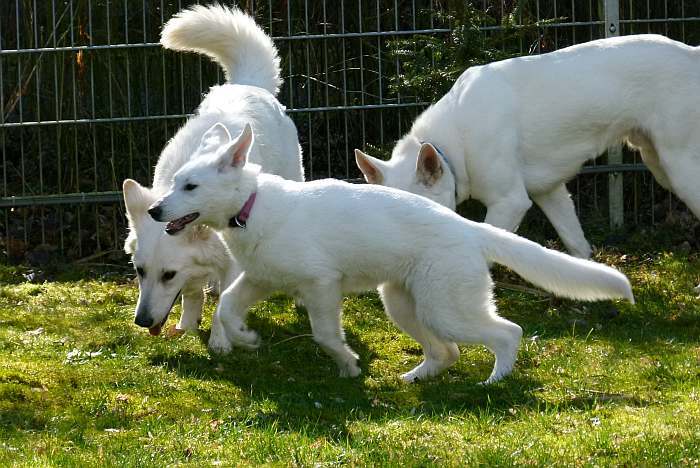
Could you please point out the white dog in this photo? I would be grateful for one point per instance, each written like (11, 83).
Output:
(167, 265)
(318, 240)
(517, 130)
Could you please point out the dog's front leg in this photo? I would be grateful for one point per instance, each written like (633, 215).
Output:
(558, 207)
(229, 273)
(508, 212)
(228, 326)
(192, 301)
(323, 302)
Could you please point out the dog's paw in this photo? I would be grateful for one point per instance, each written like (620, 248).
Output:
(219, 348)
(491, 380)
(188, 325)
(174, 332)
(350, 369)
(430, 368)
(245, 338)
(219, 345)
(410, 377)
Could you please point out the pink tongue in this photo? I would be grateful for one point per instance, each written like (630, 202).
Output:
(155, 331)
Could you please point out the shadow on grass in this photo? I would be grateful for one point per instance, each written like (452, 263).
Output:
(318, 402)
(305, 394)
(302, 381)
(310, 397)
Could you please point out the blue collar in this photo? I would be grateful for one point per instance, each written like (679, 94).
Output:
(446, 163)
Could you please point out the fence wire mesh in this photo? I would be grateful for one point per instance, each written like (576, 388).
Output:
(88, 97)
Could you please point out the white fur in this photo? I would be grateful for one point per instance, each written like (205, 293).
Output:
(231, 38)
(196, 255)
(319, 240)
(517, 130)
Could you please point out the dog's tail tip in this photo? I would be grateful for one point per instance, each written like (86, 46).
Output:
(556, 272)
(623, 284)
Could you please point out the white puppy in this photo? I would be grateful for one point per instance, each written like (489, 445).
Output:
(517, 130)
(319, 240)
(170, 265)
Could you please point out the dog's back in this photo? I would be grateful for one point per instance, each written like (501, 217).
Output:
(277, 147)
(575, 101)
(371, 234)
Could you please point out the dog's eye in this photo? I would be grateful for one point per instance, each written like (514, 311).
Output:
(140, 272)
(168, 275)
(190, 187)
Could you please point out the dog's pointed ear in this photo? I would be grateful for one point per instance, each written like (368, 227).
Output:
(137, 199)
(214, 138)
(235, 154)
(429, 165)
(372, 168)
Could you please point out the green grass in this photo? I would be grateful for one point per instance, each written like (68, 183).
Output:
(595, 384)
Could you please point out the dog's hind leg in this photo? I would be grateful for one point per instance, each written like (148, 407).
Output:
(438, 354)
(192, 301)
(638, 140)
(463, 312)
(228, 327)
(559, 209)
(683, 170)
(502, 337)
(677, 170)
(323, 302)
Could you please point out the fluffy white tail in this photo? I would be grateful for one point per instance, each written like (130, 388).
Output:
(231, 38)
(554, 271)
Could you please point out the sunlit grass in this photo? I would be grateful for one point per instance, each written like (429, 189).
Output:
(603, 383)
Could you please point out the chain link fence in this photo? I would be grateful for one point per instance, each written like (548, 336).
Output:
(88, 97)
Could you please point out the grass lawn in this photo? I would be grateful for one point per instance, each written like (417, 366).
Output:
(598, 384)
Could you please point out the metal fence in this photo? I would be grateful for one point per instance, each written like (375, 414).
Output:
(88, 98)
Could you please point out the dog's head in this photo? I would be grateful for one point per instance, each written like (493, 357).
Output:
(208, 188)
(414, 167)
(165, 265)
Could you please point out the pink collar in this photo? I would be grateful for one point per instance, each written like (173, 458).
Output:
(240, 219)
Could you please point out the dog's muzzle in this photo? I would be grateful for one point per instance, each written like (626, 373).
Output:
(143, 320)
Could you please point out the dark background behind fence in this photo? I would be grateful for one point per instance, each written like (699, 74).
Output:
(88, 98)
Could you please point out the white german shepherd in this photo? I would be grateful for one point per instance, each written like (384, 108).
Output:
(168, 265)
(319, 240)
(519, 129)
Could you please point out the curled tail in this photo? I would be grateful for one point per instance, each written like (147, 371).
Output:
(231, 38)
(554, 271)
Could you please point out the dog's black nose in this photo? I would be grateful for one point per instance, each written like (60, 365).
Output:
(143, 320)
(155, 212)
